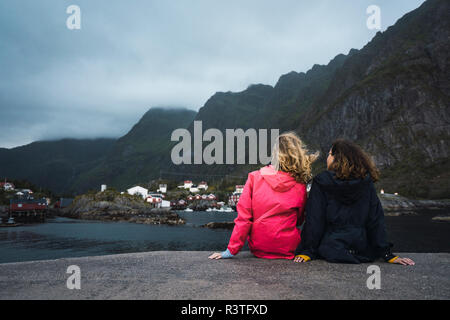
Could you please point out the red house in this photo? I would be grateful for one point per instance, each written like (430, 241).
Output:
(18, 205)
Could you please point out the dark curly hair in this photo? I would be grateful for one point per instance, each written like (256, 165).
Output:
(351, 162)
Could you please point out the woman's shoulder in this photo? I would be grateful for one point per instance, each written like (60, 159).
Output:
(323, 177)
(254, 173)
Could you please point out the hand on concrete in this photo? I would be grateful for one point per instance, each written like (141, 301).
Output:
(404, 261)
(217, 255)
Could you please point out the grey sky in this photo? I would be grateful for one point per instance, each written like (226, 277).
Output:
(132, 55)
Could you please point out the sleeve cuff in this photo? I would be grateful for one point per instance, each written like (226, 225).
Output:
(393, 259)
(304, 256)
(390, 257)
(227, 254)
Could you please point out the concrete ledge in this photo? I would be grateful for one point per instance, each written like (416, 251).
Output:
(191, 275)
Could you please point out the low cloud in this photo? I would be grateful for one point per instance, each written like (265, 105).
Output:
(130, 56)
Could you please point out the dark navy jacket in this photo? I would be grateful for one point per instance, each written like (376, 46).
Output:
(344, 221)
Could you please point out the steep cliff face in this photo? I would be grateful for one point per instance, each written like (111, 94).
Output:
(296, 93)
(396, 105)
(235, 109)
(391, 97)
(264, 106)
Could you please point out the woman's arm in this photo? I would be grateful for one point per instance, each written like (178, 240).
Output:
(242, 224)
(314, 227)
(244, 221)
(221, 255)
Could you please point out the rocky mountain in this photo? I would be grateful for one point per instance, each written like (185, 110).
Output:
(71, 166)
(391, 97)
(139, 155)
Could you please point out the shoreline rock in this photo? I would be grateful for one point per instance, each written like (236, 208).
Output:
(219, 225)
(441, 218)
(397, 205)
(113, 206)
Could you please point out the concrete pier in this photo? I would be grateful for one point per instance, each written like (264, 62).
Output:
(191, 275)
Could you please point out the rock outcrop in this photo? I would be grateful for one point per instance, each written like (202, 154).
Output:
(219, 225)
(112, 206)
(395, 205)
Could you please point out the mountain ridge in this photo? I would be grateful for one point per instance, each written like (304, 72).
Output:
(391, 97)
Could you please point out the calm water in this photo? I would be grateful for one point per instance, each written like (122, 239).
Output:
(62, 237)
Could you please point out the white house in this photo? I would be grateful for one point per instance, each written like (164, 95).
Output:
(162, 188)
(138, 191)
(193, 188)
(158, 199)
(103, 187)
(188, 184)
(203, 185)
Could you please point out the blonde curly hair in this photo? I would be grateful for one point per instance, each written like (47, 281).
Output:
(290, 155)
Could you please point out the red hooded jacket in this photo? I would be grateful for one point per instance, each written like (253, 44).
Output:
(269, 209)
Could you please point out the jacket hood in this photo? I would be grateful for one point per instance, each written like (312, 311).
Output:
(278, 180)
(345, 191)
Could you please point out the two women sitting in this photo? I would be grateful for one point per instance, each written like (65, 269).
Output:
(344, 218)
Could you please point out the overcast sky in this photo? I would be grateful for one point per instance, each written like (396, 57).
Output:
(132, 55)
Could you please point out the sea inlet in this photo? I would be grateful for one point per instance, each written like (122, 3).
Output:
(64, 238)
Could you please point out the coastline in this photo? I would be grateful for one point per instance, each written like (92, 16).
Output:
(395, 205)
(151, 216)
(88, 209)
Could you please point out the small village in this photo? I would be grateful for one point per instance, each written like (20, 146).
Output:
(198, 199)
(25, 207)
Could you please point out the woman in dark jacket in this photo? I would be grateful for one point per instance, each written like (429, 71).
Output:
(344, 217)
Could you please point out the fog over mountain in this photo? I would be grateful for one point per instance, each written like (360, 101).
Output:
(392, 96)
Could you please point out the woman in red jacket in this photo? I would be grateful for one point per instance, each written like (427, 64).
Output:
(272, 204)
